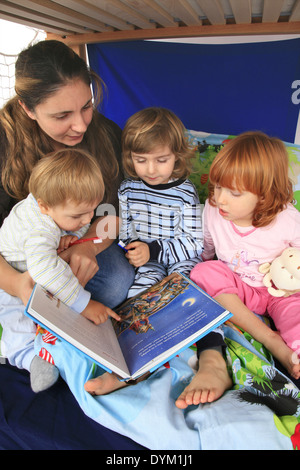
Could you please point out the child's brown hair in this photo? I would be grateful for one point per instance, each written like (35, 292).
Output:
(68, 174)
(256, 163)
(152, 127)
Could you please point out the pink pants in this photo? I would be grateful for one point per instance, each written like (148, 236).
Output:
(215, 278)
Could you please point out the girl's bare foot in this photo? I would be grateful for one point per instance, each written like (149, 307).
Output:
(272, 340)
(209, 383)
(294, 366)
(288, 358)
(103, 384)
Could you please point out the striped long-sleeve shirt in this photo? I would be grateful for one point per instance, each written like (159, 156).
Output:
(29, 240)
(167, 217)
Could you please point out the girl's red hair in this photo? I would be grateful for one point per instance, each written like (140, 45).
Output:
(256, 163)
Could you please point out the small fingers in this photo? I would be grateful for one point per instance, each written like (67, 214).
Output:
(114, 315)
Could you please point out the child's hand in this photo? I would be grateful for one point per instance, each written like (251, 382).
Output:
(98, 313)
(65, 241)
(138, 253)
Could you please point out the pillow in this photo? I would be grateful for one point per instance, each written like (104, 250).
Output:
(208, 145)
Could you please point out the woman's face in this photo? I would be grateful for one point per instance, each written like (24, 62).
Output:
(66, 114)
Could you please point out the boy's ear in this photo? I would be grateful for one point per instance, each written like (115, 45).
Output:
(44, 208)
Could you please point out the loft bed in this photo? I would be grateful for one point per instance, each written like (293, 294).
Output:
(262, 411)
(81, 22)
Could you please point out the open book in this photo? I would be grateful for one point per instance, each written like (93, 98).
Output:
(156, 325)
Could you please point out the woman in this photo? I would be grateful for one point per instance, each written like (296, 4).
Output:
(54, 108)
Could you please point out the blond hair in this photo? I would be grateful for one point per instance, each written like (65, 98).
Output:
(256, 163)
(68, 174)
(152, 127)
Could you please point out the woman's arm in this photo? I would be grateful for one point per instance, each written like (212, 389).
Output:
(15, 283)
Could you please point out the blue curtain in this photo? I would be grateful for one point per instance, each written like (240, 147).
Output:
(224, 89)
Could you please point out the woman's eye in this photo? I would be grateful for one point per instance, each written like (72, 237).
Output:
(61, 117)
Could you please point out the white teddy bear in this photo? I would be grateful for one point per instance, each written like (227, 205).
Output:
(282, 276)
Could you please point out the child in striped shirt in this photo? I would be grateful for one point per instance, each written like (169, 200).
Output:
(65, 189)
(160, 209)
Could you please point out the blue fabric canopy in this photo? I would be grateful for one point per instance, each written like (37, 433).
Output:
(224, 89)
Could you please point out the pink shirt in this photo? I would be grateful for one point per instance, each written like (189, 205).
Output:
(244, 249)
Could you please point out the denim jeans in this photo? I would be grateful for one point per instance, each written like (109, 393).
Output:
(111, 283)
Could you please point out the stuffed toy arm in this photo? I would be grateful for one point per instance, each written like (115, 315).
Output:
(282, 276)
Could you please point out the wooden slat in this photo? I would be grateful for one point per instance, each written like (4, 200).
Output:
(147, 19)
(213, 10)
(185, 31)
(46, 7)
(181, 10)
(272, 10)
(159, 14)
(241, 10)
(40, 19)
(92, 11)
(152, 11)
(118, 8)
(295, 16)
(34, 24)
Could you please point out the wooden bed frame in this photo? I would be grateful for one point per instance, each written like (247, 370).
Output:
(81, 22)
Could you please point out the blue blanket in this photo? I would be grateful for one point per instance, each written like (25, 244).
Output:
(261, 411)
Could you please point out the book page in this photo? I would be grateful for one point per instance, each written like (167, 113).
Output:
(94, 340)
(167, 315)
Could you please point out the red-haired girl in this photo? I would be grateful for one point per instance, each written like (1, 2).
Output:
(249, 220)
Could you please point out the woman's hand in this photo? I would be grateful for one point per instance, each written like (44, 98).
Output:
(138, 253)
(82, 257)
(82, 261)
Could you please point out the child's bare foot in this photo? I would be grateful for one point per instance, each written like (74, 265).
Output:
(285, 355)
(290, 360)
(295, 365)
(209, 383)
(294, 369)
(103, 384)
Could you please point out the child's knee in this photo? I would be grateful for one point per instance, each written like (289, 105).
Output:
(202, 270)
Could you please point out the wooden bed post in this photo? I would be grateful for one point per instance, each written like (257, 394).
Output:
(80, 49)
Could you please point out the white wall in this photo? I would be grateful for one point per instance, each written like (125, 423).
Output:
(13, 38)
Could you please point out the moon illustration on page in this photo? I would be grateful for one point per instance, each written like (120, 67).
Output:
(189, 301)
